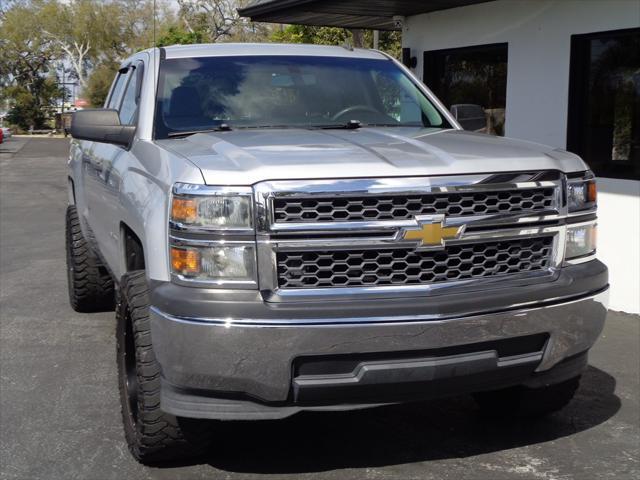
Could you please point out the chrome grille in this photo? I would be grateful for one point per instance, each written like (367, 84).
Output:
(403, 207)
(405, 266)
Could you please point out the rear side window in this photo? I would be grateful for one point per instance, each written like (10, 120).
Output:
(116, 91)
(129, 102)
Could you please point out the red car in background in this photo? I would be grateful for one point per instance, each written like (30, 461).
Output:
(1, 136)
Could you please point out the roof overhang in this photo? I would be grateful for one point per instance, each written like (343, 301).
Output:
(371, 14)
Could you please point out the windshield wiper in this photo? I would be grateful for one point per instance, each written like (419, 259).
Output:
(350, 125)
(391, 125)
(223, 127)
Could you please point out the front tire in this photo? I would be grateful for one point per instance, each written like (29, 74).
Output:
(152, 435)
(527, 402)
(90, 284)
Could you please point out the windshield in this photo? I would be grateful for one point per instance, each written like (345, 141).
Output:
(287, 91)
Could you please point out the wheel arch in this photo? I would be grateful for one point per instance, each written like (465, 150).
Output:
(133, 252)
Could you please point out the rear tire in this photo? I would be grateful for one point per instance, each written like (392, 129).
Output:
(90, 284)
(527, 402)
(152, 435)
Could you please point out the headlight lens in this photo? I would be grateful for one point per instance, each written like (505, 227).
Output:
(581, 241)
(216, 211)
(203, 220)
(211, 263)
(582, 193)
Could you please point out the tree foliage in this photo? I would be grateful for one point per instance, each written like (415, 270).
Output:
(32, 105)
(99, 83)
(389, 42)
(26, 60)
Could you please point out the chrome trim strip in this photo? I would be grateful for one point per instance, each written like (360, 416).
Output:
(520, 359)
(265, 192)
(199, 242)
(579, 213)
(384, 225)
(181, 227)
(399, 291)
(392, 241)
(227, 284)
(364, 321)
(579, 260)
(196, 189)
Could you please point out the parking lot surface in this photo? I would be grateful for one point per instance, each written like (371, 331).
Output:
(60, 416)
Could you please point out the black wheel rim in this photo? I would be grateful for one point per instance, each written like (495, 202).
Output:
(130, 370)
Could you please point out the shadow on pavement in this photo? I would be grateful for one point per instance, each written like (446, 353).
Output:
(447, 428)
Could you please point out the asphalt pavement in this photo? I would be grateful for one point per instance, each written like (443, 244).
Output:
(60, 416)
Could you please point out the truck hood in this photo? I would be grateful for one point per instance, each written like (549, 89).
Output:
(245, 157)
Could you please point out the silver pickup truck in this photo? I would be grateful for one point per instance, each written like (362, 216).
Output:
(283, 228)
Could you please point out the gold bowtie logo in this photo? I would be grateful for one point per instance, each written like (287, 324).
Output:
(431, 232)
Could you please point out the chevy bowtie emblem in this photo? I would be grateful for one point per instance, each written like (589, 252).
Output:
(431, 232)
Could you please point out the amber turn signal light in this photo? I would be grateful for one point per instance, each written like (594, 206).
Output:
(184, 210)
(185, 261)
(592, 192)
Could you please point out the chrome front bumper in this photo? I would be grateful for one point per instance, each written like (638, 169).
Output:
(251, 356)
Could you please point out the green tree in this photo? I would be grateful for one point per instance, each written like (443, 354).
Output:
(312, 35)
(25, 63)
(177, 35)
(99, 83)
(389, 41)
(31, 107)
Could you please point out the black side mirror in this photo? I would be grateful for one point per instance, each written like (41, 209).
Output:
(101, 125)
(470, 117)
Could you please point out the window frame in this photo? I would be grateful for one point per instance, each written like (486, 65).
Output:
(134, 70)
(119, 75)
(430, 68)
(579, 63)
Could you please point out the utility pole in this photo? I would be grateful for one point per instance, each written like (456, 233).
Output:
(64, 97)
(357, 37)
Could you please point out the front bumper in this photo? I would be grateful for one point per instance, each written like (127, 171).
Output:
(228, 354)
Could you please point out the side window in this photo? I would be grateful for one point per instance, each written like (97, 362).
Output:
(130, 101)
(399, 100)
(116, 92)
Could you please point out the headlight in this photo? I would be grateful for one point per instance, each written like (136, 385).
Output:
(581, 241)
(582, 193)
(212, 242)
(211, 208)
(214, 263)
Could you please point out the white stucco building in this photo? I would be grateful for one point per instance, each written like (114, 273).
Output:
(560, 72)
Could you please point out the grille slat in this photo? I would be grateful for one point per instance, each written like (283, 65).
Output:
(403, 207)
(405, 266)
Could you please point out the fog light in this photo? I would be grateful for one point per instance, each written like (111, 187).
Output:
(217, 263)
(581, 241)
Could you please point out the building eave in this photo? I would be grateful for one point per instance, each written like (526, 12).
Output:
(372, 14)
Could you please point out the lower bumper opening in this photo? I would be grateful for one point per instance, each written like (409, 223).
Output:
(387, 377)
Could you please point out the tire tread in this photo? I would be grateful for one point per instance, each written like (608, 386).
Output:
(91, 287)
(156, 436)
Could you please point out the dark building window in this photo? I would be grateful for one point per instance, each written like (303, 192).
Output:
(465, 79)
(604, 102)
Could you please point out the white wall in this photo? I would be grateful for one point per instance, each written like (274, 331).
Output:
(539, 36)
